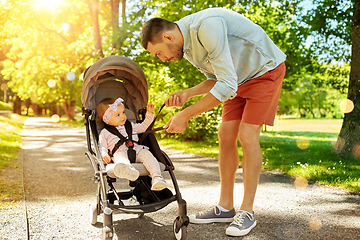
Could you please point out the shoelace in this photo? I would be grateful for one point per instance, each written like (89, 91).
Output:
(240, 217)
(215, 208)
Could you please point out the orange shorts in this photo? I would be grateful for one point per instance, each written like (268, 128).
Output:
(256, 100)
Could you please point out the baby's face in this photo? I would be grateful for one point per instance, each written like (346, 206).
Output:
(119, 117)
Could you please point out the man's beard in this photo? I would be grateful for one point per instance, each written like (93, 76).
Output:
(177, 50)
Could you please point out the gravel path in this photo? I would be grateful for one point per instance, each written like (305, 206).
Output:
(58, 188)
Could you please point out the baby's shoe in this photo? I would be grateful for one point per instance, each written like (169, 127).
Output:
(123, 170)
(158, 183)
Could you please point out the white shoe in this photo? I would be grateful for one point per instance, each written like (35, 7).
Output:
(158, 183)
(123, 170)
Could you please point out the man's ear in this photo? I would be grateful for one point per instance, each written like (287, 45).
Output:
(168, 37)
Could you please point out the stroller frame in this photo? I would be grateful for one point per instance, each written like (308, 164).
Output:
(106, 196)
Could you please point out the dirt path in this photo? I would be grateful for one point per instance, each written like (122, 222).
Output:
(58, 184)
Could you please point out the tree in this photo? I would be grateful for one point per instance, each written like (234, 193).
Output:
(349, 138)
(45, 44)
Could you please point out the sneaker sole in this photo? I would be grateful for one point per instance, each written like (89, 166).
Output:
(235, 232)
(193, 219)
(124, 171)
(158, 186)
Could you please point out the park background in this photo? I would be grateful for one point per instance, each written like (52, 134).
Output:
(46, 45)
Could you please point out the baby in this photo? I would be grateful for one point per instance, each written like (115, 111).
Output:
(112, 112)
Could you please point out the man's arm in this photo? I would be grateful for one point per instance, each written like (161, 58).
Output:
(178, 99)
(179, 121)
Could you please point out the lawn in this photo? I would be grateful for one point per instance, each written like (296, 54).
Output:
(10, 144)
(296, 147)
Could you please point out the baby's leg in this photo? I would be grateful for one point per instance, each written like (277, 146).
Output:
(122, 167)
(152, 165)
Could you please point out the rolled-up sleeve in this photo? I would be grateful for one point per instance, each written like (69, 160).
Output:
(219, 56)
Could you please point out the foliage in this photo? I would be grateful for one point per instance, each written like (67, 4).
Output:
(329, 25)
(30, 59)
(5, 106)
(311, 97)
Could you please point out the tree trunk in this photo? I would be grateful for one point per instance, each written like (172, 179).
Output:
(94, 13)
(115, 22)
(348, 142)
(123, 11)
(17, 105)
(69, 109)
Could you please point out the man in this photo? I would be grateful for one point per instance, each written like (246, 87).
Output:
(244, 70)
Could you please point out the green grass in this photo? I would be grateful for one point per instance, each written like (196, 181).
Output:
(10, 144)
(5, 106)
(10, 140)
(317, 163)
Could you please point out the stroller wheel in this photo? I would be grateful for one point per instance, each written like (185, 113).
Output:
(181, 234)
(93, 213)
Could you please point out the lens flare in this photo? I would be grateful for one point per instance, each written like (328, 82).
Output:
(315, 223)
(70, 76)
(51, 83)
(301, 182)
(65, 26)
(346, 106)
(4, 87)
(303, 143)
(340, 143)
(55, 118)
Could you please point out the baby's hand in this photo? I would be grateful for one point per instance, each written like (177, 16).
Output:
(106, 159)
(150, 108)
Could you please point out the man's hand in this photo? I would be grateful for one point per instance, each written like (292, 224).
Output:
(176, 124)
(176, 99)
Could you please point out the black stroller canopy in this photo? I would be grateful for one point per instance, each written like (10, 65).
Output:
(115, 68)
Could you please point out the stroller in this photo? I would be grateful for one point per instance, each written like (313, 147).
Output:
(113, 77)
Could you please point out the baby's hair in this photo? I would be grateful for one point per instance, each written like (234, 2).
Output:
(103, 105)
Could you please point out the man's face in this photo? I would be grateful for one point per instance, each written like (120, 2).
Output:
(166, 51)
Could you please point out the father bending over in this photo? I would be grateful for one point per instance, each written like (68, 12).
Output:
(244, 70)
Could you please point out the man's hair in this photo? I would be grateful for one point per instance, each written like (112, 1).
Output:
(103, 106)
(153, 29)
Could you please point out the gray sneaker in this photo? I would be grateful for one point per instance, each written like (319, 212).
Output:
(214, 214)
(242, 224)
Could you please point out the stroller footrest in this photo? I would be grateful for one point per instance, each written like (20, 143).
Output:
(145, 208)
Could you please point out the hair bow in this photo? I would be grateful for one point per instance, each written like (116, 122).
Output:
(111, 109)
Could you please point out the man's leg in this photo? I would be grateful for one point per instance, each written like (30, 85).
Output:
(228, 161)
(251, 162)
(228, 164)
(244, 221)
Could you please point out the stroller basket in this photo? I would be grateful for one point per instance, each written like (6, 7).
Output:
(113, 77)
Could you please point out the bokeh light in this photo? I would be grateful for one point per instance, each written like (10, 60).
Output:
(303, 143)
(70, 76)
(55, 118)
(65, 26)
(346, 106)
(4, 87)
(315, 223)
(51, 83)
(340, 143)
(301, 182)
(356, 150)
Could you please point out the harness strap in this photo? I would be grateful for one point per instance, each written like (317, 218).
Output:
(128, 141)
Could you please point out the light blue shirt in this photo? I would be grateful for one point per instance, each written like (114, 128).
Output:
(228, 48)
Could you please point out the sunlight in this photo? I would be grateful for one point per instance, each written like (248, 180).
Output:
(49, 3)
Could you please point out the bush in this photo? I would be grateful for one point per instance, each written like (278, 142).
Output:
(5, 106)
